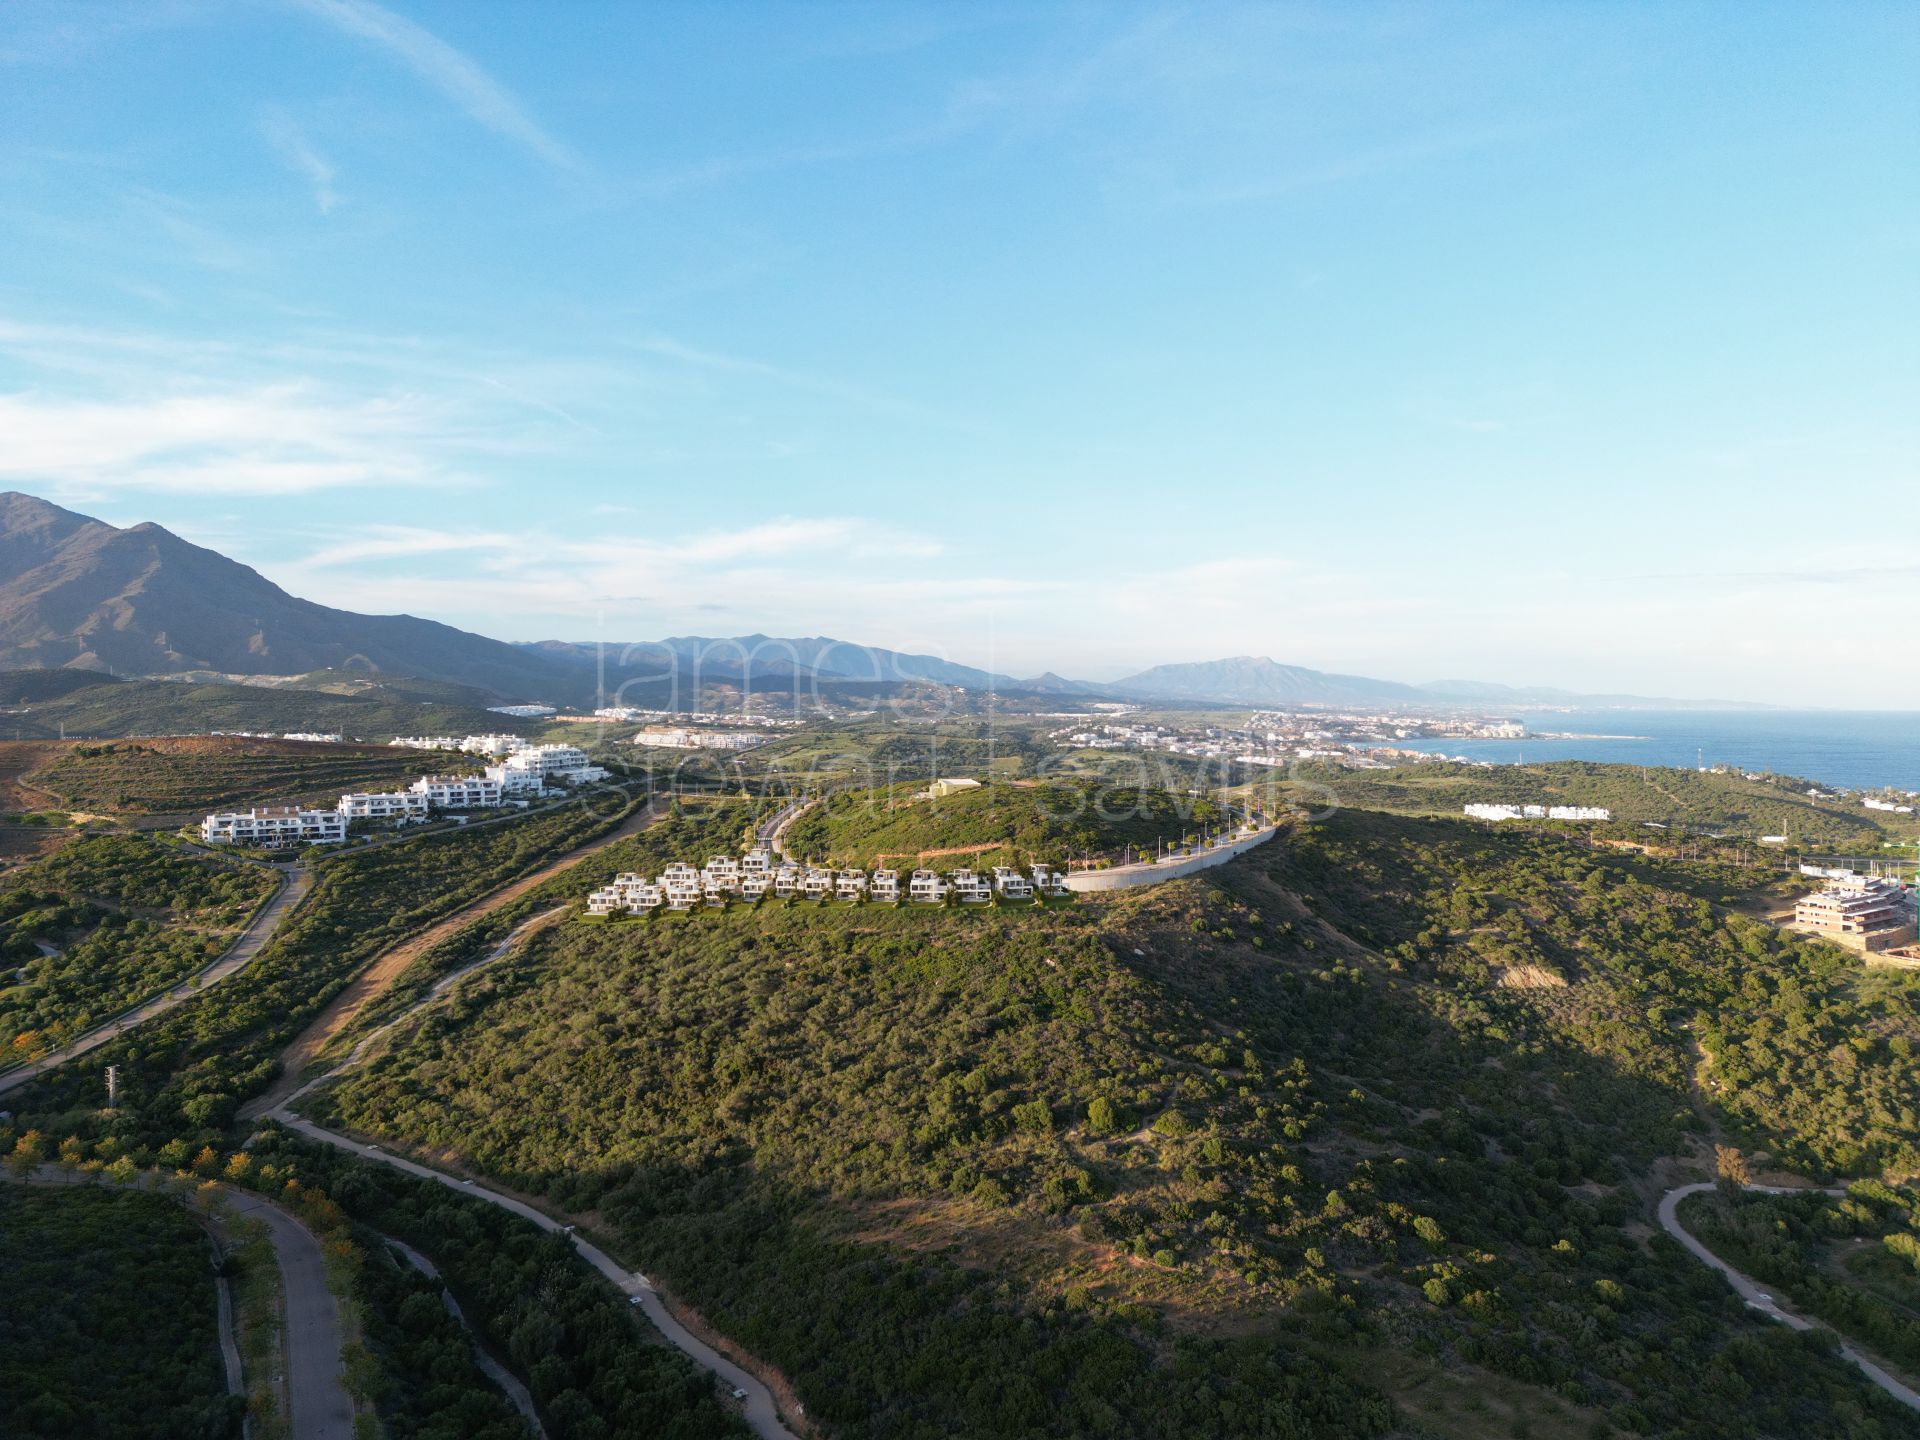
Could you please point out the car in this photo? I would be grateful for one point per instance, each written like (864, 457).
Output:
(466, 1182)
(738, 1393)
(635, 1300)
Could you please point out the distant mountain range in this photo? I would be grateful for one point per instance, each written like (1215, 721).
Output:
(80, 594)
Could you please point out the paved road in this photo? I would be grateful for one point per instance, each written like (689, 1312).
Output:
(317, 1400)
(773, 830)
(759, 1410)
(312, 1340)
(294, 884)
(1757, 1297)
(494, 1370)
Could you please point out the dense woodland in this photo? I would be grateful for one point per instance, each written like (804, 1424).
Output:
(110, 1329)
(104, 923)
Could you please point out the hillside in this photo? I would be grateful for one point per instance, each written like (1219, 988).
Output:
(1388, 1087)
(187, 776)
(373, 712)
(1637, 795)
(998, 824)
(77, 592)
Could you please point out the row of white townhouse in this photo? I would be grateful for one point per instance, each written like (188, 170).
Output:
(524, 775)
(494, 747)
(1539, 812)
(755, 877)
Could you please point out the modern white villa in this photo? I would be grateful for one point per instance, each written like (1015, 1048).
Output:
(755, 877)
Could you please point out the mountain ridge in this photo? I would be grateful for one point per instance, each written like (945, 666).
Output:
(78, 593)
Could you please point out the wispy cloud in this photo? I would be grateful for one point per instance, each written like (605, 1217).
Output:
(452, 72)
(274, 440)
(296, 152)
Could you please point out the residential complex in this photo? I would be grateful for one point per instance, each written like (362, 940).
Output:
(678, 738)
(275, 826)
(1538, 812)
(1862, 912)
(525, 774)
(757, 876)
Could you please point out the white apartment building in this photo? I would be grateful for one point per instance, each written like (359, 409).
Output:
(817, 883)
(523, 712)
(675, 738)
(927, 887)
(1538, 812)
(1011, 883)
(393, 805)
(425, 742)
(493, 746)
(533, 766)
(275, 826)
(459, 792)
(886, 886)
(850, 885)
(313, 737)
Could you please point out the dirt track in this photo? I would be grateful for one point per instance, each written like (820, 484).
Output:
(374, 980)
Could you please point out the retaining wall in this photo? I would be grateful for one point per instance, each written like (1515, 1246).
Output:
(1125, 877)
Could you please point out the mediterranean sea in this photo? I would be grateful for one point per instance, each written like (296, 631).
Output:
(1858, 749)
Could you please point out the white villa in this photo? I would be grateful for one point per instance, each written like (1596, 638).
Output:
(275, 826)
(756, 876)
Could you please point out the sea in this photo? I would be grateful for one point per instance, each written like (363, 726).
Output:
(1857, 749)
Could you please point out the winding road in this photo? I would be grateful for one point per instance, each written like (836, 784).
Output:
(391, 964)
(295, 881)
(318, 1405)
(759, 1408)
(1759, 1299)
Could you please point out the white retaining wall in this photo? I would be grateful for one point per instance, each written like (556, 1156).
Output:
(1125, 877)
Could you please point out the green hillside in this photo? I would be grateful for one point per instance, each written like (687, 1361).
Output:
(104, 923)
(1001, 823)
(1186, 1162)
(1635, 794)
(185, 776)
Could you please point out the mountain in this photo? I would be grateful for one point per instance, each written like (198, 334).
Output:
(1258, 680)
(778, 655)
(77, 592)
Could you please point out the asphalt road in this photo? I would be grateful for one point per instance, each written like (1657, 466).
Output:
(1757, 1297)
(319, 1407)
(294, 885)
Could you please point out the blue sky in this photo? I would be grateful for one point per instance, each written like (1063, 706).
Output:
(1568, 344)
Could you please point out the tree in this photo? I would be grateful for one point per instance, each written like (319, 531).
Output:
(1732, 1165)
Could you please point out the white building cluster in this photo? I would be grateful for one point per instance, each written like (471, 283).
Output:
(524, 775)
(677, 738)
(757, 876)
(1538, 812)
